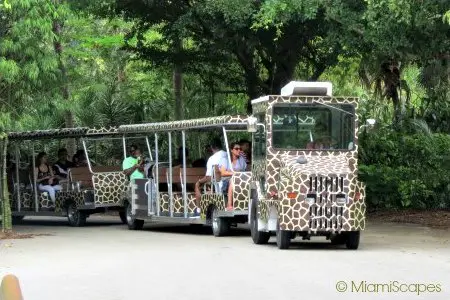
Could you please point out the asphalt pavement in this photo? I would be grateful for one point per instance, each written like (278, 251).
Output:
(106, 261)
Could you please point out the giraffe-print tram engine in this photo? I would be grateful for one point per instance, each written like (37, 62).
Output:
(304, 172)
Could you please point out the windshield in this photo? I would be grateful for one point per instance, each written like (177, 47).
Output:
(313, 127)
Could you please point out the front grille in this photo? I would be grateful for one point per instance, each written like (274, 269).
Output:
(325, 217)
(326, 187)
(325, 213)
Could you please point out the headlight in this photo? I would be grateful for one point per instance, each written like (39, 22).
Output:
(341, 199)
(310, 198)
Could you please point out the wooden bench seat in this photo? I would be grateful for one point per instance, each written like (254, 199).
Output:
(84, 176)
(81, 175)
(192, 176)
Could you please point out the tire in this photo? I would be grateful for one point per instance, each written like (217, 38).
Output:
(258, 237)
(283, 238)
(352, 241)
(17, 219)
(123, 216)
(339, 239)
(220, 226)
(132, 222)
(75, 217)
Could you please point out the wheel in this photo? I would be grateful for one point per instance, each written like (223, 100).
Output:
(258, 237)
(220, 226)
(339, 239)
(123, 216)
(283, 238)
(75, 217)
(17, 219)
(352, 241)
(132, 222)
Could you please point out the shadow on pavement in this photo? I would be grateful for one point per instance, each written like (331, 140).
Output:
(62, 222)
(193, 230)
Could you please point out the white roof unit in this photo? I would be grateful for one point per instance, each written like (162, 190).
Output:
(260, 99)
(304, 88)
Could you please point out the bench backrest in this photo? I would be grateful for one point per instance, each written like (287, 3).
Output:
(82, 175)
(192, 174)
(104, 169)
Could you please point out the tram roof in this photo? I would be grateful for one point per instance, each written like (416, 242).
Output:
(230, 122)
(62, 133)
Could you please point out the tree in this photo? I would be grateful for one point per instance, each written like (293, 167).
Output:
(218, 33)
(27, 63)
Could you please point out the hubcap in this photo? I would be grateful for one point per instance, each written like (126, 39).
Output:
(72, 214)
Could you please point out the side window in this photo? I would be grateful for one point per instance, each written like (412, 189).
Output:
(259, 140)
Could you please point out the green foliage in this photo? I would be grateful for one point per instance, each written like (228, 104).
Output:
(402, 170)
(446, 17)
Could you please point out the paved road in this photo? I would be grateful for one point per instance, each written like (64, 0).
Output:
(105, 261)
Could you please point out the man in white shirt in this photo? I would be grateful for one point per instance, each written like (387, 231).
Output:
(216, 159)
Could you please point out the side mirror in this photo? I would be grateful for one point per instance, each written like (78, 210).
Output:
(252, 124)
(370, 122)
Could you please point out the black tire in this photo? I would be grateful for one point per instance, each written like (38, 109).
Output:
(17, 219)
(123, 216)
(220, 226)
(75, 217)
(283, 238)
(132, 222)
(258, 237)
(352, 241)
(339, 239)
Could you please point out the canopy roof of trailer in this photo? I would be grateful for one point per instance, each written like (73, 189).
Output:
(62, 133)
(230, 122)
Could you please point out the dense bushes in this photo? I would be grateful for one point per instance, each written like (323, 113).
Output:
(405, 170)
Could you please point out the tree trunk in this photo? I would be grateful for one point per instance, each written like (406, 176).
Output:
(178, 82)
(6, 206)
(177, 87)
(68, 115)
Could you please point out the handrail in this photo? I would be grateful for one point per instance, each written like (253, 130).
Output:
(10, 288)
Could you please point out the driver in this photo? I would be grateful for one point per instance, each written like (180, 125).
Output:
(133, 165)
(322, 140)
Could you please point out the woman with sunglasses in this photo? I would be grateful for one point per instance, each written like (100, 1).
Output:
(238, 164)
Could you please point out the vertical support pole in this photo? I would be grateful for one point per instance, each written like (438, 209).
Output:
(17, 155)
(124, 145)
(226, 146)
(87, 155)
(169, 180)
(183, 138)
(149, 148)
(157, 175)
(36, 202)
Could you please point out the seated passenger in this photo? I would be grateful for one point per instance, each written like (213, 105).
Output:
(246, 150)
(79, 159)
(60, 168)
(238, 164)
(179, 161)
(133, 165)
(215, 159)
(46, 181)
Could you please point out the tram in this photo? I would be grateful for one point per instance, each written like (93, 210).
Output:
(305, 165)
(302, 180)
(167, 194)
(89, 188)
